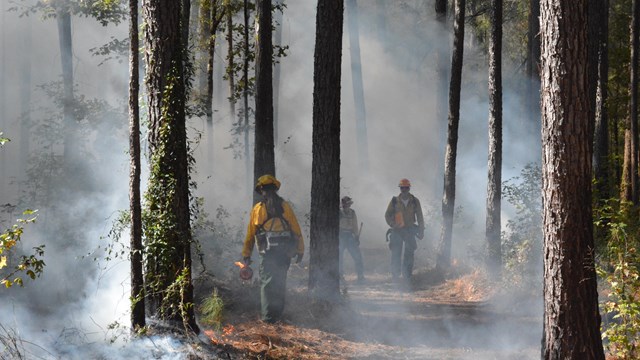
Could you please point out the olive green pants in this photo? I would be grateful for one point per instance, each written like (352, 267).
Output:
(274, 265)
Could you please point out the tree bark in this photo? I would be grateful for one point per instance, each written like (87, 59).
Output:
(168, 277)
(494, 184)
(325, 174)
(448, 200)
(264, 158)
(137, 280)
(571, 320)
(358, 89)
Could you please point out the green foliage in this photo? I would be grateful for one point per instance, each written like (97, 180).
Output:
(211, 311)
(30, 265)
(522, 241)
(620, 270)
(3, 140)
(104, 11)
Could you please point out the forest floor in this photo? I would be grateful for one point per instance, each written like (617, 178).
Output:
(460, 317)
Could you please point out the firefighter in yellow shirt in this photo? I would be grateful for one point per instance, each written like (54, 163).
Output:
(404, 216)
(273, 227)
(350, 237)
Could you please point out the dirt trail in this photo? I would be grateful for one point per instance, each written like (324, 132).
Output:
(428, 319)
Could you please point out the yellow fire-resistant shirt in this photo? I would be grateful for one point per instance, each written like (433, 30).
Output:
(259, 216)
(404, 213)
(349, 221)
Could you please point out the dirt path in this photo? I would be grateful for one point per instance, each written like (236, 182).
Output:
(453, 319)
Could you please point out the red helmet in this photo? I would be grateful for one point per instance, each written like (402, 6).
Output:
(404, 183)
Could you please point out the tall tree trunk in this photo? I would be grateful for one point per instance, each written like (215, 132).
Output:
(231, 61)
(324, 282)
(448, 200)
(169, 289)
(277, 40)
(245, 96)
(381, 22)
(66, 49)
(25, 96)
(264, 158)
(599, 32)
(633, 102)
(442, 69)
(571, 318)
(358, 89)
(494, 185)
(137, 280)
(533, 62)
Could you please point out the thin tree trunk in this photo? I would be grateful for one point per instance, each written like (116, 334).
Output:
(533, 62)
(494, 184)
(633, 101)
(245, 96)
(571, 320)
(25, 97)
(264, 158)
(137, 280)
(601, 132)
(442, 67)
(358, 89)
(277, 40)
(448, 200)
(231, 62)
(66, 48)
(324, 282)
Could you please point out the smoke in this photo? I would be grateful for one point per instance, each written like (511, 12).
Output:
(80, 291)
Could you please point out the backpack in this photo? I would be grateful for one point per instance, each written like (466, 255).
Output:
(270, 238)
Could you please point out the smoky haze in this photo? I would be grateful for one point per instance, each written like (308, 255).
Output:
(80, 290)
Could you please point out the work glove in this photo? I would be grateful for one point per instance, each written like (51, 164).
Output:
(357, 240)
(299, 258)
(247, 260)
(420, 234)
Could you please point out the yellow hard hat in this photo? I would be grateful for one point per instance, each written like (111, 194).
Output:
(404, 183)
(267, 180)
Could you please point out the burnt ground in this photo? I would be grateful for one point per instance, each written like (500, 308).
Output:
(462, 316)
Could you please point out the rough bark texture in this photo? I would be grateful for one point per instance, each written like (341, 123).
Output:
(137, 281)
(277, 40)
(571, 319)
(169, 254)
(494, 183)
(448, 199)
(358, 90)
(325, 182)
(264, 158)
(230, 61)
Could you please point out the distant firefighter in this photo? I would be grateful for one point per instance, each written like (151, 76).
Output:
(273, 227)
(350, 237)
(402, 214)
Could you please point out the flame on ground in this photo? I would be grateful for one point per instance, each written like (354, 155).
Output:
(220, 338)
(240, 264)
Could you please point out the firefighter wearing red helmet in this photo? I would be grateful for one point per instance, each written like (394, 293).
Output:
(404, 216)
(273, 227)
